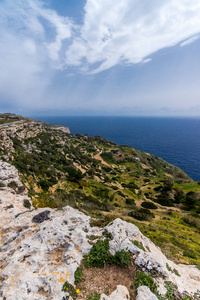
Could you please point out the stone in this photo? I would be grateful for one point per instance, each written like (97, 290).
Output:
(41, 249)
(41, 217)
(121, 293)
(144, 293)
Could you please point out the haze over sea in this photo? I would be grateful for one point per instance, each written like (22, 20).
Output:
(176, 140)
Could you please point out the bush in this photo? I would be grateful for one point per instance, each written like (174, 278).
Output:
(130, 201)
(78, 275)
(143, 279)
(122, 258)
(68, 288)
(100, 255)
(148, 204)
(141, 214)
(107, 156)
(73, 174)
(192, 220)
(44, 184)
(27, 203)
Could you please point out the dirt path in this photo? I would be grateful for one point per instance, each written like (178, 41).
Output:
(98, 156)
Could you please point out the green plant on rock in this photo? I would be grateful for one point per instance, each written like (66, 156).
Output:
(100, 255)
(176, 272)
(170, 290)
(168, 267)
(138, 244)
(186, 297)
(78, 275)
(142, 278)
(27, 203)
(68, 288)
(122, 258)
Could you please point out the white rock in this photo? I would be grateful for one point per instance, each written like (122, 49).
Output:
(121, 293)
(41, 249)
(152, 260)
(144, 293)
(8, 173)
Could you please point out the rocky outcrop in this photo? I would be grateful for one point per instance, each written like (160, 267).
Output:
(41, 249)
(144, 293)
(62, 128)
(8, 174)
(13, 194)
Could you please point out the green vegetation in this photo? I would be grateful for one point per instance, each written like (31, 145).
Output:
(100, 255)
(149, 205)
(142, 214)
(142, 278)
(27, 203)
(78, 275)
(67, 287)
(60, 169)
(138, 244)
(94, 297)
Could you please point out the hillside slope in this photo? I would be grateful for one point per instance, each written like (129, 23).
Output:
(101, 179)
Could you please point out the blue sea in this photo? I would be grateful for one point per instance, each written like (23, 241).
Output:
(176, 140)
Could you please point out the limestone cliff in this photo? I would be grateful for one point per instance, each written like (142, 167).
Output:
(41, 249)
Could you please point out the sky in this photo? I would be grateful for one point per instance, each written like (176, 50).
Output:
(100, 57)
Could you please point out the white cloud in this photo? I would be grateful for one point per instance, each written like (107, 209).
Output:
(129, 31)
(31, 39)
(42, 53)
(190, 41)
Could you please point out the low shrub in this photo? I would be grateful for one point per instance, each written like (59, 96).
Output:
(138, 244)
(142, 278)
(191, 220)
(130, 201)
(100, 255)
(141, 214)
(78, 275)
(149, 205)
(27, 203)
(68, 288)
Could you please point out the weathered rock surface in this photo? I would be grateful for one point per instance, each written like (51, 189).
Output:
(121, 293)
(12, 193)
(8, 174)
(41, 249)
(144, 293)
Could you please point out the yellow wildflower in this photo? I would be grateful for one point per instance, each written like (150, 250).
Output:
(77, 291)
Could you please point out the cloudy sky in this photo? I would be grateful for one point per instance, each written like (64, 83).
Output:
(100, 57)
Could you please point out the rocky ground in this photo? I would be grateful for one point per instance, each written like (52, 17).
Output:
(41, 249)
